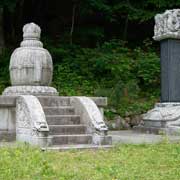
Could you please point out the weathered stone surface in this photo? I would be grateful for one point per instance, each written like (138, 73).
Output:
(71, 120)
(165, 117)
(167, 25)
(30, 90)
(100, 101)
(31, 64)
(163, 112)
(118, 123)
(8, 101)
(72, 139)
(7, 136)
(63, 119)
(170, 81)
(89, 112)
(54, 101)
(7, 119)
(92, 118)
(131, 137)
(31, 125)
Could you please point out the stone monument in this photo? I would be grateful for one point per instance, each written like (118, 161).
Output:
(31, 66)
(31, 111)
(165, 117)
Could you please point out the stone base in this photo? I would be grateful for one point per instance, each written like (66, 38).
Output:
(149, 130)
(7, 136)
(30, 90)
(163, 119)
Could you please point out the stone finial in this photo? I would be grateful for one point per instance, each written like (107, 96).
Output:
(31, 31)
(167, 25)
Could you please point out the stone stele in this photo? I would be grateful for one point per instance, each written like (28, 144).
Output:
(165, 116)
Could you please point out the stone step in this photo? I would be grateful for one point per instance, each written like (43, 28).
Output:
(63, 119)
(77, 147)
(54, 101)
(72, 139)
(67, 129)
(62, 110)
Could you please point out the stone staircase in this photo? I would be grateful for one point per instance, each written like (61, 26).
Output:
(65, 125)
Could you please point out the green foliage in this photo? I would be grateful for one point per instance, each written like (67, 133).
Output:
(142, 162)
(140, 11)
(10, 4)
(126, 76)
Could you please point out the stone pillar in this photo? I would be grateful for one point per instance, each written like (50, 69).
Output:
(167, 31)
(170, 70)
(166, 115)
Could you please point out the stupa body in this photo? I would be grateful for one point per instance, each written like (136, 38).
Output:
(31, 67)
(31, 111)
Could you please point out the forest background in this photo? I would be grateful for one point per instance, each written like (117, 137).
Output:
(99, 48)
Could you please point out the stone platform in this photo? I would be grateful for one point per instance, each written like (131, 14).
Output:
(132, 137)
(57, 122)
(118, 137)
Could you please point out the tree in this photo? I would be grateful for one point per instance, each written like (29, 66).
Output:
(4, 4)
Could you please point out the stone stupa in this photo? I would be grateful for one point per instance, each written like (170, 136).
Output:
(31, 66)
(31, 111)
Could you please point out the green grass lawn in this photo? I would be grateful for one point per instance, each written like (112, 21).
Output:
(133, 162)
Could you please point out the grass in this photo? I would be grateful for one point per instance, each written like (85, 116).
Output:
(131, 162)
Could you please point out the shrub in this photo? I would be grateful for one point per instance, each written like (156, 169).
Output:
(126, 76)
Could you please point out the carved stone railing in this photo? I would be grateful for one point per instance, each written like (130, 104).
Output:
(92, 117)
(31, 125)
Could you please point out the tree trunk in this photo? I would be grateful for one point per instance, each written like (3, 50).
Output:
(18, 19)
(125, 28)
(2, 44)
(72, 24)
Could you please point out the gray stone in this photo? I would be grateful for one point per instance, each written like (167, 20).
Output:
(63, 119)
(131, 137)
(67, 129)
(8, 101)
(7, 136)
(59, 110)
(118, 123)
(77, 146)
(165, 116)
(167, 25)
(72, 139)
(31, 64)
(54, 101)
(31, 125)
(92, 118)
(30, 90)
(100, 101)
(35, 113)
(170, 81)
(135, 120)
